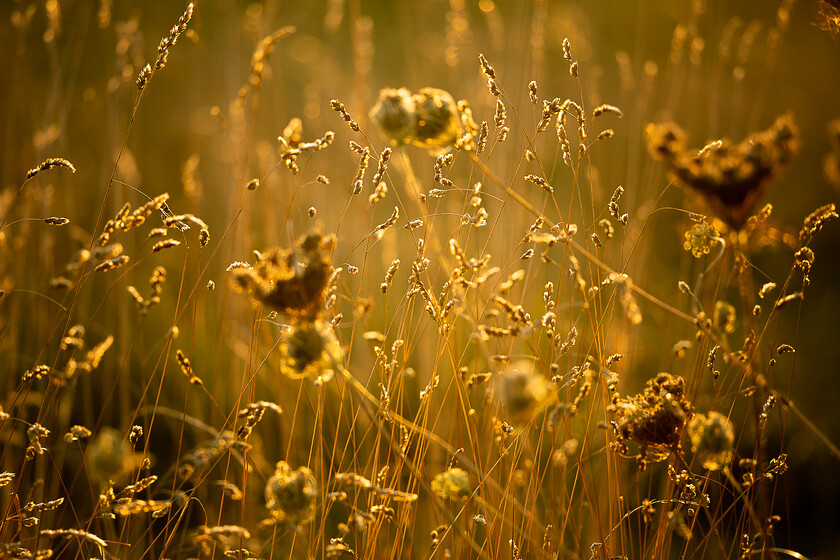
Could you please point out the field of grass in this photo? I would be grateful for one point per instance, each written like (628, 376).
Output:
(446, 279)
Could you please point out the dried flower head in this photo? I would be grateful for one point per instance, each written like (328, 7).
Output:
(712, 438)
(731, 178)
(522, 391)
(438, 124)
(290, 495)
(289, 281)
(653, 419)
(723, 317)
(394, 114)
(109, 456)
(429, 119)
(829, 16)
(700, 239)
(49, 163)
(453, 483)
(310, 350)
(815, 220)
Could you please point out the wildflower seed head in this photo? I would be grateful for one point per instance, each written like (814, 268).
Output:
(712, 439)
(109, 456)
(452, 483)
(655, 418)
(723, 317)
(310, 350)
(829, 16)
(438, 125)
(700, 239)
(522, 391)
(290, 495)
(292, 282)
(394, 114)
(730, 178)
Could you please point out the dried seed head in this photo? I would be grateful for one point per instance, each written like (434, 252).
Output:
(483, 133)
(452, 483)
(815, 220)
(654, 419)
(165, 244)
(541, 182)
(700, 239)
(292, 282)
(394, 114)
(712, 438)
(310, 350)
(339, 108)
(49, 163)
(500, 118)
(438, 125)
(76, 433)
(135, 434)
(523, 391)
(291, 495)
(486, 68)
(604, 109)
(168, 42)
(731, 178)
(567, 49)
(109, 456)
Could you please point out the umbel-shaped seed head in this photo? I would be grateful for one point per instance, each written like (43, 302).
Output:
(522, 390)
(730, 177)
(654, 419)
(712, 437)
(438, 120)
(110, 457)
(430, 118)
(453, 483)
(394, 114)
(290, 495)
(310, 350)
(292, 282)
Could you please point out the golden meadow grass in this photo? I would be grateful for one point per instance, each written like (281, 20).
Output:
(419, 280)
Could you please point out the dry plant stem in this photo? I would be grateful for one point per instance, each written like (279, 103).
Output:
(702, 275)
(742, 494)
